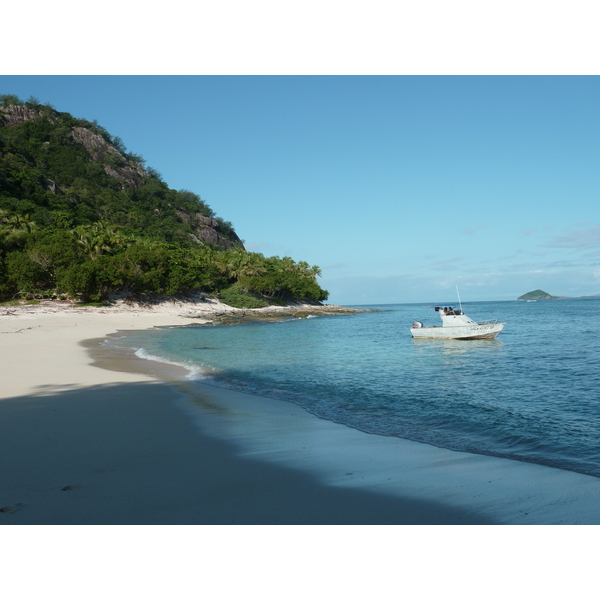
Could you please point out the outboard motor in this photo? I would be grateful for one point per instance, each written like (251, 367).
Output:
(417, 324)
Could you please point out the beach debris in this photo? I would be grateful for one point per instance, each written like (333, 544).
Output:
(19, 330)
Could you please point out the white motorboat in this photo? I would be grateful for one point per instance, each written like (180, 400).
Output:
(457, 326)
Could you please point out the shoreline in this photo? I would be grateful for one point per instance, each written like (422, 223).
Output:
(84, 444)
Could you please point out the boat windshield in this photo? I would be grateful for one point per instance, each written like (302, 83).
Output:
(448, 310)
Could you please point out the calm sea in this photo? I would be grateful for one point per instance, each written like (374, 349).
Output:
(531, 394)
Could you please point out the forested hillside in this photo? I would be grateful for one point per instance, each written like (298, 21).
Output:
(82, 217)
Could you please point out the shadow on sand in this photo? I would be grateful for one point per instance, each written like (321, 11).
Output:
(126, 454)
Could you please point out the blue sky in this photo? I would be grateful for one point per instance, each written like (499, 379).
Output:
(399, 187)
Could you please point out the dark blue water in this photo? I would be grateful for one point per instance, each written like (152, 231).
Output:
(531, 394)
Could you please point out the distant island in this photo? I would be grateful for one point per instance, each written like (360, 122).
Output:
(541, 295)
(537, 295)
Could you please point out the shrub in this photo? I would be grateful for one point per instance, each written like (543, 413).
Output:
(236, 297)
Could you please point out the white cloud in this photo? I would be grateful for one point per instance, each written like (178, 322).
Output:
(472, 231)
(583, 238)
(267, 248)
(450, 263)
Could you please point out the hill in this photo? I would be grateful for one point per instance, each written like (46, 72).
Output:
(537, 295)
(81, 217)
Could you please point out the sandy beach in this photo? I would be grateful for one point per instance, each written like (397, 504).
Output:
(88, 439)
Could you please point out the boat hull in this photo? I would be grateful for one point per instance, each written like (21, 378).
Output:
(463, 332)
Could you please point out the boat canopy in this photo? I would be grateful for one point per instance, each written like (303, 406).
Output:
(448, 310)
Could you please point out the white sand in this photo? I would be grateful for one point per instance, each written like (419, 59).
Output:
(85, 445)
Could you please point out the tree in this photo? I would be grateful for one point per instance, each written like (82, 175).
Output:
(10, 99)
(14, 229)
(97, 239)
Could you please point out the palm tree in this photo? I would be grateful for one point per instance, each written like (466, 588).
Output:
(98, 238)
(14, 229)
(235, 263)
(255, 264)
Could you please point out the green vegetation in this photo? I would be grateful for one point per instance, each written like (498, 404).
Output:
(537, 295)
(81, 217)
(234, 295)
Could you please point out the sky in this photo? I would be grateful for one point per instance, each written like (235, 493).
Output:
(400, 188)
(407, 150)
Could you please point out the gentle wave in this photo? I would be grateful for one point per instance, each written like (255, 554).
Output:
(195, 371)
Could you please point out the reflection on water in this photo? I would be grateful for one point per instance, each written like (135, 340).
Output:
(457, 347)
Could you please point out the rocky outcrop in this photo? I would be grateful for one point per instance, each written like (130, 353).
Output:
(116, 165)
(209, 231)
(15, 114)
(128, 172)
(233, 316)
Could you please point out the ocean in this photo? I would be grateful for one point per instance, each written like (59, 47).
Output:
(531, 394)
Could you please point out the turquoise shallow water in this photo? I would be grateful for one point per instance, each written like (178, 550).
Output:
(531, 394)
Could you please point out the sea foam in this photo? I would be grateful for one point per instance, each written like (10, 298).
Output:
(195, 371)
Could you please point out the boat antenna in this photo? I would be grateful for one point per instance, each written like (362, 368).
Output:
(459, 302)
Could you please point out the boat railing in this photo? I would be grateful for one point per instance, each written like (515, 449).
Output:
(488, 322)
